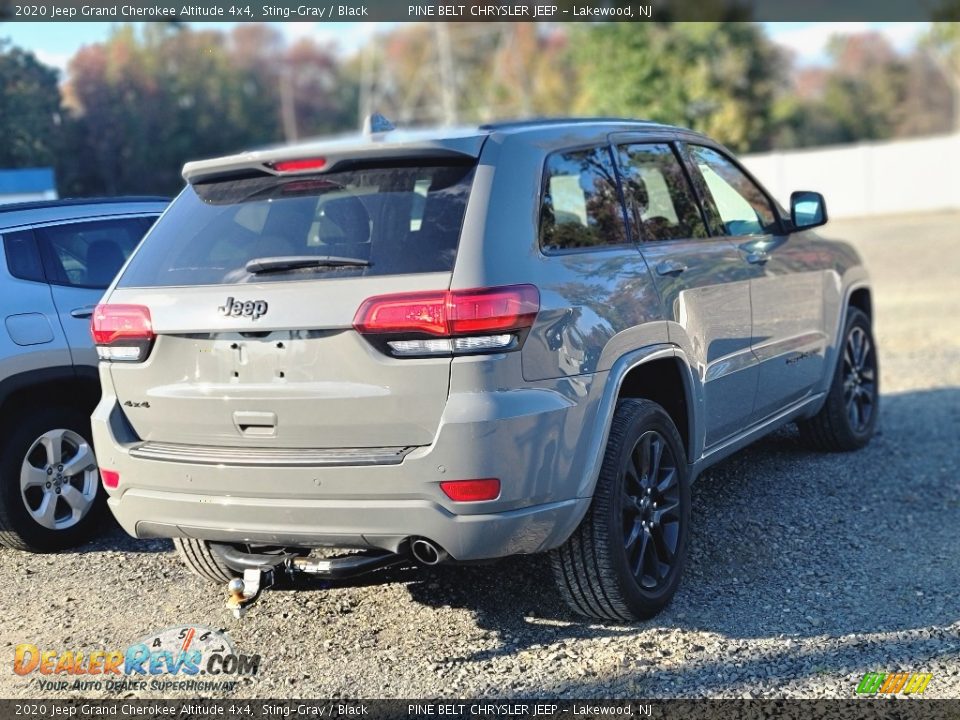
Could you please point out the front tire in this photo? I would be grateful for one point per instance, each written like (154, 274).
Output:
(50, 497)
(625, 560)
(848, 417)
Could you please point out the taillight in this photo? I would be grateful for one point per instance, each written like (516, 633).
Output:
(471, 490)
(449, 322)
(122, 333)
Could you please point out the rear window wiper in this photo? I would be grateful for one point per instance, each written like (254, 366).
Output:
(281, 263)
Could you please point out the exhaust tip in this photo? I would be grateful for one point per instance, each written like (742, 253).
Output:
(426, 552)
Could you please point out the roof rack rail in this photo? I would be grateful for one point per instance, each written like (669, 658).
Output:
(525, 122)
(67, 202)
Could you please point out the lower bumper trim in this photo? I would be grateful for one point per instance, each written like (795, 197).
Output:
(269, 457)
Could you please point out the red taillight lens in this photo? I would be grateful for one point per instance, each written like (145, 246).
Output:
(468, 321)
(110, 478)
(471, 490)
(472, 312)
(450, 313)
(302, 165)
(122, 332)
(410, 312)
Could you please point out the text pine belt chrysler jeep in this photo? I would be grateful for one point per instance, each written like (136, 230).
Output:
(467, 344)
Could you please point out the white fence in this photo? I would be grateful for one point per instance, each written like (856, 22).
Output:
(873, 178)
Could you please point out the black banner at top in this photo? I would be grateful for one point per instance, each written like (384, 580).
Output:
(476, 10)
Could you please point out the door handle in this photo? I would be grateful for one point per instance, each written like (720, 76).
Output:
(670, 267)
(83, 312)
(757, 258)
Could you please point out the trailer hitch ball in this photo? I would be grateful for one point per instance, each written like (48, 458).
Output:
(235, 589)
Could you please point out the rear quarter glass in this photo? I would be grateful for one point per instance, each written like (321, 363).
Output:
(396, 219)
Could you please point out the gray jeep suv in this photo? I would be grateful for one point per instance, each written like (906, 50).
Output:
(463, 345)
(57, 259)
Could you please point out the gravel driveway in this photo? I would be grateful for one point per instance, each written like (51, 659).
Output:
(806, 570)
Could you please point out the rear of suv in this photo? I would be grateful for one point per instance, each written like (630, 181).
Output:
(57, 259)
(465, 345)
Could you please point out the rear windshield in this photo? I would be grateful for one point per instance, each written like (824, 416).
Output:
(377, 221)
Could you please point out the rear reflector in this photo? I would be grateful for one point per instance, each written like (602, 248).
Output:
(111, 478)
(471, 490)
(302, 165)
(122, 333)
(479, 320)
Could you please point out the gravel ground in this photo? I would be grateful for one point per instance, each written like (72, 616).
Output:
(806, 570)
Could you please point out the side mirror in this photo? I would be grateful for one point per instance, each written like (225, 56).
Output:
(807, 210)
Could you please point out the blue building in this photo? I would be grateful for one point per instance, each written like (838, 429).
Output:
(26, 184)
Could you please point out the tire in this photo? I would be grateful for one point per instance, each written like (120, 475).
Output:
(75, 513)
(595, 568)
(848, 417)
(202, 561)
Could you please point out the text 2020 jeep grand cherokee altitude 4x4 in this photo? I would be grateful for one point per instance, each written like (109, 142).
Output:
(519, 338)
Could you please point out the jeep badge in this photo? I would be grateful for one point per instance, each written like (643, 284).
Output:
(254, 309)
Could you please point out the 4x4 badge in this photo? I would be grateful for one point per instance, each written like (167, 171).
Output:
(239, 308)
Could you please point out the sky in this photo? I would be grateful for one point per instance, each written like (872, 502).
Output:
(54, 43)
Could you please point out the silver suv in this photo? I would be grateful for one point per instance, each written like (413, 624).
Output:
(462, 345)
(57, 259)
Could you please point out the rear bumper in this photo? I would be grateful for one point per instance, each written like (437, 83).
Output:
(345, 523)
(528, 441)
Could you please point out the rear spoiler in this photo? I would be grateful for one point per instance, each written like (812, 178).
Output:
(330, 154)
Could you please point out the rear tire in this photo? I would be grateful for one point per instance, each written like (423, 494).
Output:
(848, 417)
(37, 455)
(200, 559)
(625, 560)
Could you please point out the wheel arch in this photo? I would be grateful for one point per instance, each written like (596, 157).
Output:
(666, 382)
(636, 374)
(857, 295)
(860, 298)
(66, 385)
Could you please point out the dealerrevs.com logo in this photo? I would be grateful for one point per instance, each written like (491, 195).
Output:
(878, 683)
(173, 659)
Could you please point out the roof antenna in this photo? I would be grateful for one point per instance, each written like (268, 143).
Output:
(377, 123)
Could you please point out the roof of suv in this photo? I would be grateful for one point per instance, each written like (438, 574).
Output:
(43, 211)
(530, 123)
(428, 142)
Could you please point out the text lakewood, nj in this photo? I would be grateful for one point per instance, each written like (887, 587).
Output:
(497, 11)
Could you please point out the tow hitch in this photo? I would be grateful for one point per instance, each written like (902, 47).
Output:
(243, 593)
(261, 570)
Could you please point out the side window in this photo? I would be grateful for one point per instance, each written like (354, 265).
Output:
(89, 254)
(581, 205)
(23, 256)
(742, 206)
(659, 199)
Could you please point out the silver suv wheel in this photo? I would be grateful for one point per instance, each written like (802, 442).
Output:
(58, 479)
